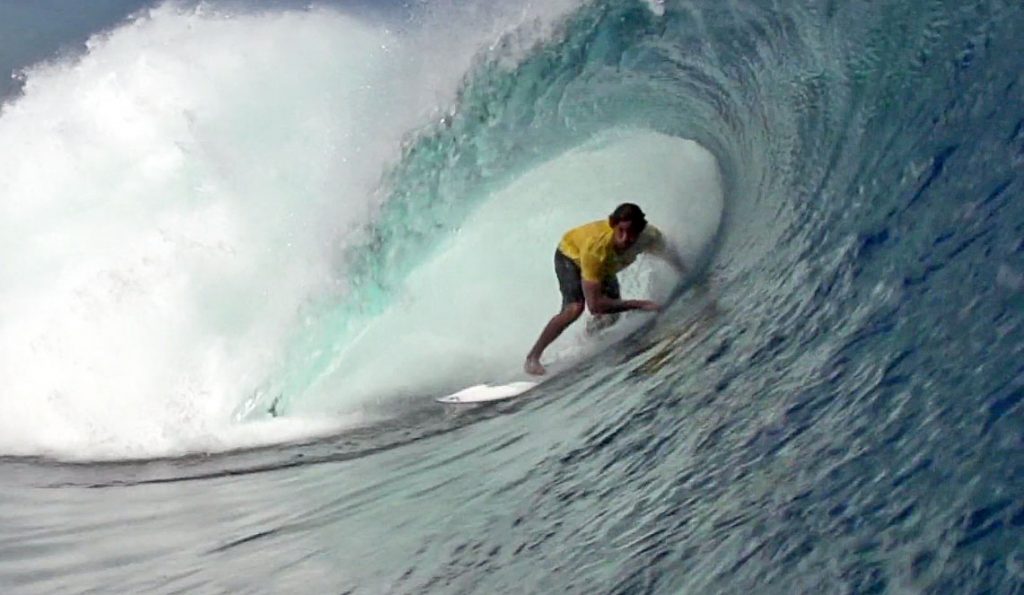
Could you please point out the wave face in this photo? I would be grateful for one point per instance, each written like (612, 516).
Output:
(839, 409)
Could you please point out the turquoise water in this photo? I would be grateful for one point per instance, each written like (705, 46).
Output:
(244, 249)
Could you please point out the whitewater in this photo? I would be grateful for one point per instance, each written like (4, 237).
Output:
(245, 245)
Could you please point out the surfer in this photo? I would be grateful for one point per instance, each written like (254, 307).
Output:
(586, 263)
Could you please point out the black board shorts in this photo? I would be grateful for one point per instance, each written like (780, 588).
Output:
(570, 281)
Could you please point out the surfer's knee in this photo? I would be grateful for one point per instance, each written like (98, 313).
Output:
(573, 309)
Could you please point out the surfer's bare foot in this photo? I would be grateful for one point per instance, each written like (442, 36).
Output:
(532, 366)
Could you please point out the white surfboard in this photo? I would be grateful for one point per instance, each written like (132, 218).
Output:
(486, 393)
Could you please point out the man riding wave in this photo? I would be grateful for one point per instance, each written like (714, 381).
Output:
(586, 264)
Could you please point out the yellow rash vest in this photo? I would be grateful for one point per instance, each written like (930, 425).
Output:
(591, 246)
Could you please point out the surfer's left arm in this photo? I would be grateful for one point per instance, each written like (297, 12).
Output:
(660, 246)
(671, 256)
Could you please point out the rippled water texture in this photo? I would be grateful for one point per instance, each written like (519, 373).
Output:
(835, 405)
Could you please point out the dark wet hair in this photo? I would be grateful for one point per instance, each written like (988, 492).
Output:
(628, 211)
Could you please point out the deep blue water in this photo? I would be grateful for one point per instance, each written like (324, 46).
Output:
(841, 411)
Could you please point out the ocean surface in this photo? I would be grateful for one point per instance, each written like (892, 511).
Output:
(245, 245)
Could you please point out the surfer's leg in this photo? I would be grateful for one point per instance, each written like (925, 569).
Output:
(571, 286)
(599, 322)
(558, 323)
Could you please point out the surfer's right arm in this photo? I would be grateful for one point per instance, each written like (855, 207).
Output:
(599, 303)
